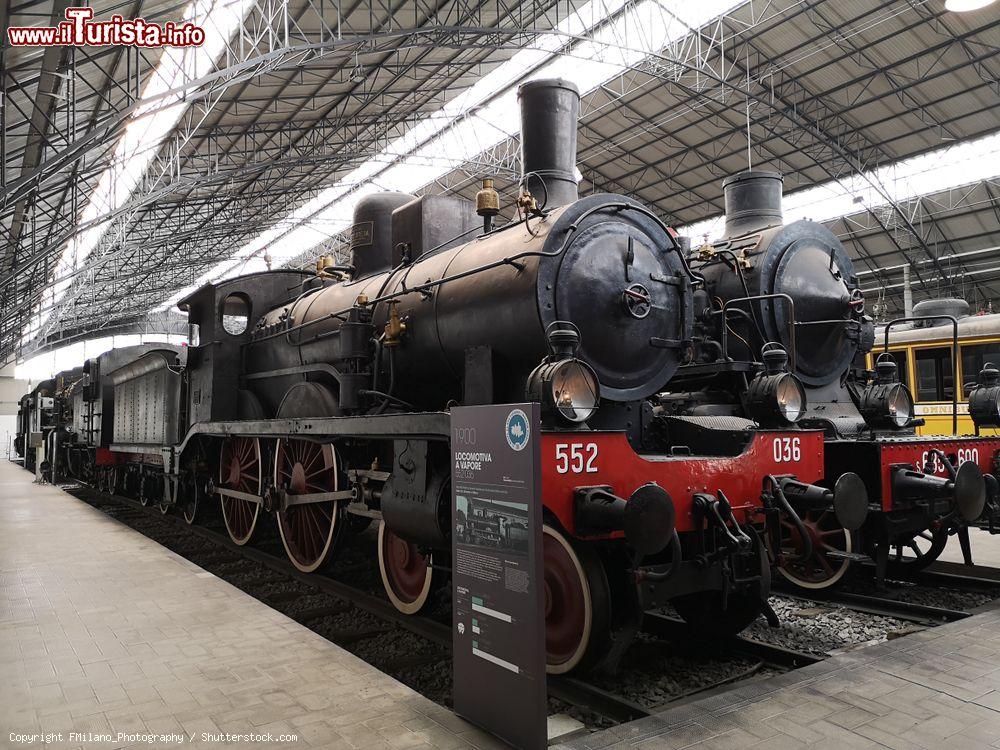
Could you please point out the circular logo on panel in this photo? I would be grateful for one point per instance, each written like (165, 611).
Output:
(517, 429)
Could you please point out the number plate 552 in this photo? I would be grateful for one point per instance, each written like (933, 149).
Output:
(576, 458)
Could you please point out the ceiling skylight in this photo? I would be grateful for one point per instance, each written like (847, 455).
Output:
(478, 119)
(944, 168)
(150, 124)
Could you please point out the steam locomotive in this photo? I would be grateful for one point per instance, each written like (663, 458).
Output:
(787, 294)
(322, 399)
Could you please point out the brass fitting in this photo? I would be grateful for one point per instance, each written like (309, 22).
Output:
(706, 252)
(743, 260)
(488, 200)
(526, 202)
(361, 301)
(394, 326)
(322, 263)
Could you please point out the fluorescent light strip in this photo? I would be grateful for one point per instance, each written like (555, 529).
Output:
(943, 169)
(143, 137)
(455, 134)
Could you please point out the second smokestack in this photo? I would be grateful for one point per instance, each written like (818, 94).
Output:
(753, 202)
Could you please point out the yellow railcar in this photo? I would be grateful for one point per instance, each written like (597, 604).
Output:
(925, 360)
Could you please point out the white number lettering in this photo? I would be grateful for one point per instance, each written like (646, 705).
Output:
(785, 450)
(968, 454)
(576, 458)
(562, 462)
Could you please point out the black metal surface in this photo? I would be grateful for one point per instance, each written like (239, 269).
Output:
(431, 223)
(501, 291)
(550, 109)
(753, 202)
(371, 233)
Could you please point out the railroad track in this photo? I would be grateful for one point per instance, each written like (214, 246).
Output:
(672, 629)
(885, 606)
(570, 690)
(958, 576)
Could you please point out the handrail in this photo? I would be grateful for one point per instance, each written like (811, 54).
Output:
(791, 324)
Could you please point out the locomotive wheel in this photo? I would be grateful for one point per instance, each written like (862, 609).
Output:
(919, 551)
(240, 469)
(163, 485)
(406, 575)
(141, 489)
(189, 496)
(826, 534)
(308, 532)
(577, 603)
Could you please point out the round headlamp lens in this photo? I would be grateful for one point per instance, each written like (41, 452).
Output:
(575, 390)
(791, 398)
(900, 405)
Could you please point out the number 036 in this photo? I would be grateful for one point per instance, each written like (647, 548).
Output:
(787, 449)
(576, 458)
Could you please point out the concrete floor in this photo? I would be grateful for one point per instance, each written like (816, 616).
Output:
(105, 631)
(985, 549)
(934, 690)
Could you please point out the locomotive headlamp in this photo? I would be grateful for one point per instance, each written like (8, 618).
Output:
(886, 402)
(775, 396)
(563, 384)
(567, 387)
(984, 399)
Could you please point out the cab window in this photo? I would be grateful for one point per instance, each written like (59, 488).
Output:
(935, 380)
(974, 356)
(235, 314)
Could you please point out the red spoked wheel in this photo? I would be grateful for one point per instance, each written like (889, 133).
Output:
(240, 469)
(818, 571)
(308, 532)
(406, 575)
(577, 603)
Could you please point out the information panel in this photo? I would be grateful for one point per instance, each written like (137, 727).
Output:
(499, 620)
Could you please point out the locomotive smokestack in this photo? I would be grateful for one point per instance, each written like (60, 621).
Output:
(753, 202)
(549, 112)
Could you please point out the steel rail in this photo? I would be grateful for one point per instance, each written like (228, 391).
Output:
(672, 629)
(877, 605)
